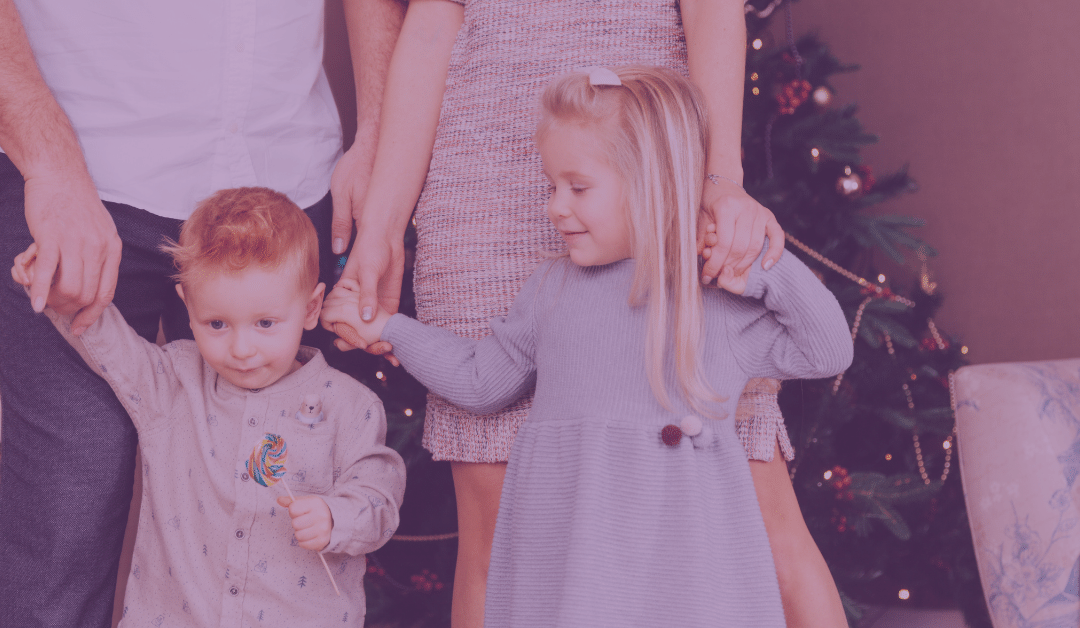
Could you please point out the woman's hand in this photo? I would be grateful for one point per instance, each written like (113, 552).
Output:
(732, 231)
(340, 314)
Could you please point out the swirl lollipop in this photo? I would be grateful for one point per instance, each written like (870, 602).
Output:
(267, 462)
(266, 465)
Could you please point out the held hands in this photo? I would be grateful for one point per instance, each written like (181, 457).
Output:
(78, 249)
(731, 233)
(341, 315)
(311, 519)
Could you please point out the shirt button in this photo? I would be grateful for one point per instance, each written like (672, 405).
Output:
(234, 591)
(253, 422)
(244, 476)
(239, 534)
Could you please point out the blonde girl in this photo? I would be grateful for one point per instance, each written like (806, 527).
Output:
(628, 498)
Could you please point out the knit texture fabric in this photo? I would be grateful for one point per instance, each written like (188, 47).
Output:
(600, 521)
(481, 220)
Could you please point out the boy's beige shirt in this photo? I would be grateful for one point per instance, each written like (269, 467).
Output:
(213, 547)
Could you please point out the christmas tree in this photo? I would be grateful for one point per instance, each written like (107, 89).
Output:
(875, 469)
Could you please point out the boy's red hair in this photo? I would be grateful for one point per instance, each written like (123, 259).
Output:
(239, 227)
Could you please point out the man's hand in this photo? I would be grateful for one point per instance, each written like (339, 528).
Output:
(348, 187)
(78, 249)
(311, 520)
(739, 226)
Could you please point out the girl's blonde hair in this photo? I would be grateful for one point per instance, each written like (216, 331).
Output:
(655, 128)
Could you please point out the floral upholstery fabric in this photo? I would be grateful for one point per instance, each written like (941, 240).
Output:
(1018, 431)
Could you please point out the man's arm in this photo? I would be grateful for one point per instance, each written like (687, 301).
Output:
(373, 27)
(78, 247)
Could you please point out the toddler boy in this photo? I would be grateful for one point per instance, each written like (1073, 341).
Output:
(214, 548)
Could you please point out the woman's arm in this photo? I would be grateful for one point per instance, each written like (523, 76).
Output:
(410, 114)
(716, 50)
(373, 27)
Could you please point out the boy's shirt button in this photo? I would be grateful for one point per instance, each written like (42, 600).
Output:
(234, 591)
(253, 422)
(239, 534)
(244, 476)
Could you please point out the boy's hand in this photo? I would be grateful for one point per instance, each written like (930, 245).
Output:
(311, 519)
(23, 269)
(340, 315)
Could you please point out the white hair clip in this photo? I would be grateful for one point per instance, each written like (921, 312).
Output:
(601, 76)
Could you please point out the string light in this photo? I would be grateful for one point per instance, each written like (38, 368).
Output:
(754, 76)
(964, 350)
(815, 153)
(755, 91)
(946, 445)
(757, 44)
(888, 456)
(904, 594)
(379, 375)
(828, 475)
(408, 411)
(881, 278)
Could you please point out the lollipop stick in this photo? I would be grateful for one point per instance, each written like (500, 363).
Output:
(321, 557)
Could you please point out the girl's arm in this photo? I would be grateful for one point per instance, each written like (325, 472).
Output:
(410, 114)
(483, 375)
(716, 51)
(790, 327)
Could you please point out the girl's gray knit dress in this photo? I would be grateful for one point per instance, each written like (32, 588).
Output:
(601, 523)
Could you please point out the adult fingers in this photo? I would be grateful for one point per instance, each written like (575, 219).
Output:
(755, 237)
(106, 289)
(776, 243)
(48, 259)
(341, 224)
(719, 253)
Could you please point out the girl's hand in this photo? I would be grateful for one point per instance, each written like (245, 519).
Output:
(341, 315)
(311, 519)
(731, 281)
(739, 225)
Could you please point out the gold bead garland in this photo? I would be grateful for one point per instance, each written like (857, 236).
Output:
(928, 287)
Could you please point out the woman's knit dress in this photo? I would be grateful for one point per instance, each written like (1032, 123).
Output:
(481, 220)
(616, 510)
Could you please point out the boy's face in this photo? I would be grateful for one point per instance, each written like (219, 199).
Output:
(247, 324)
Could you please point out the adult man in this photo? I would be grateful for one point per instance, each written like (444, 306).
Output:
(138, 111)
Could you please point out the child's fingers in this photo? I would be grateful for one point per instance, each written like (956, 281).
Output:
(284, 501)
(22, 271)
(346, 332)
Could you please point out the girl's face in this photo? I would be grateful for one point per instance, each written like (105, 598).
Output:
(587, 204)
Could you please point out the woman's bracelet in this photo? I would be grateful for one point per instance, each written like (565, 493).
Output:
(715, 178)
